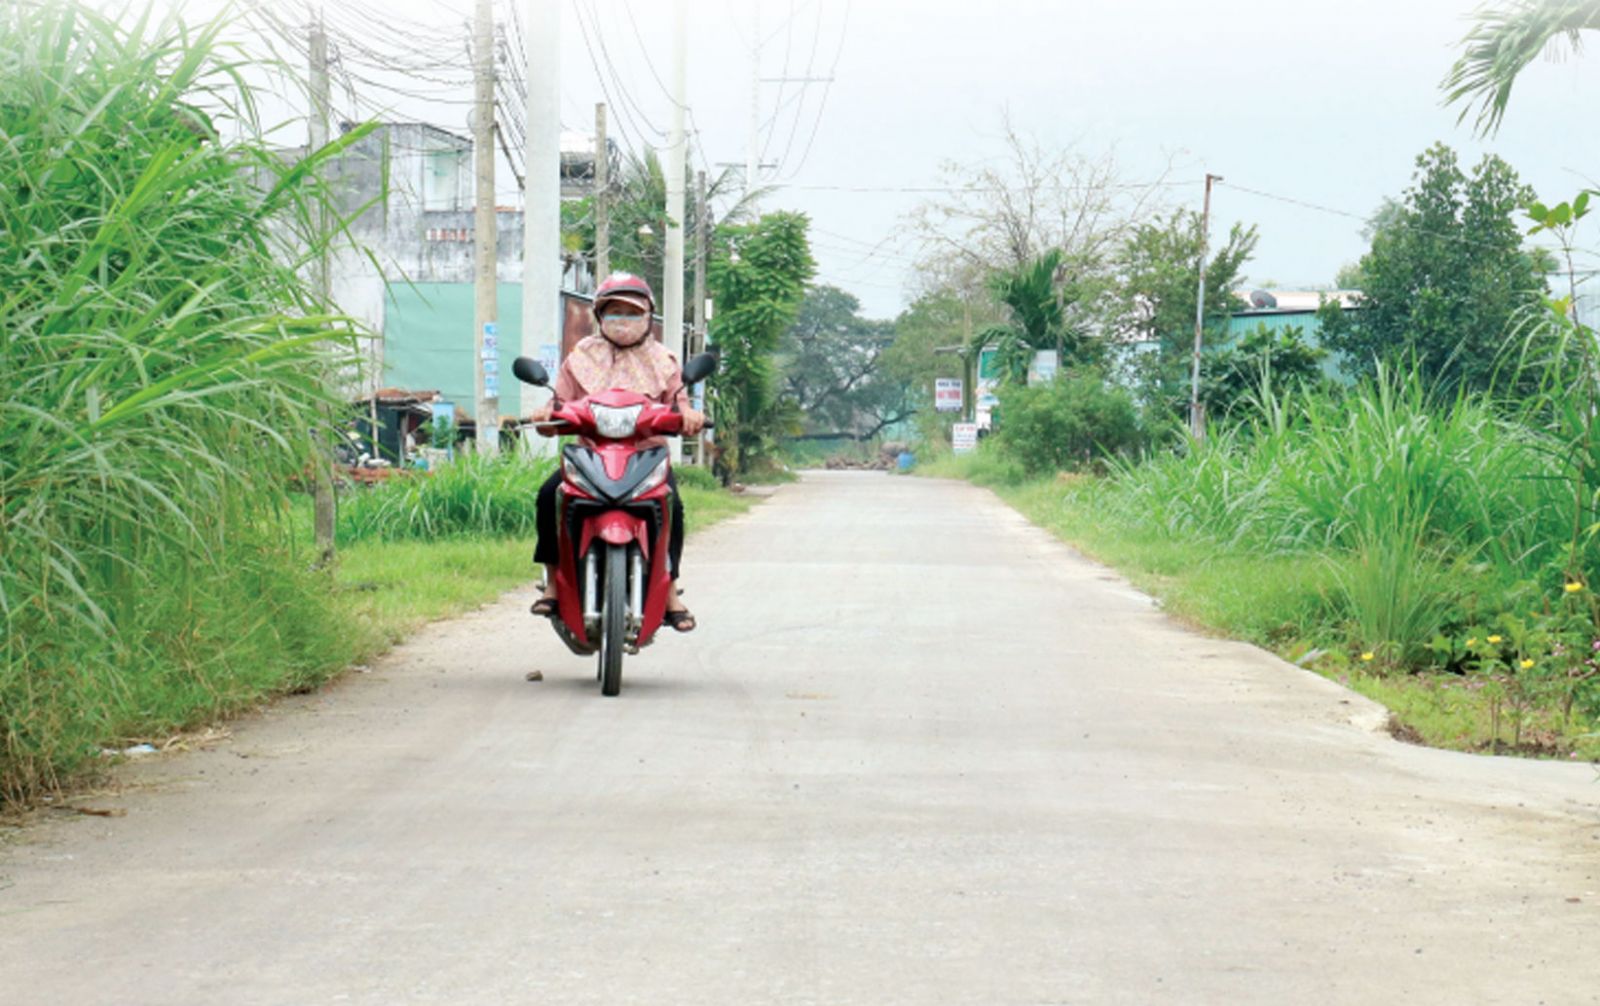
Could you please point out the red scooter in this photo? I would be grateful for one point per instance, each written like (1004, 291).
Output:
(613, 518)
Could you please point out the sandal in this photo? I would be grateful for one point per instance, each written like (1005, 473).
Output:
(682, 620)
(544, 607)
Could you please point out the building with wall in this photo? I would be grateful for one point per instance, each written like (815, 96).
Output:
(407, 191)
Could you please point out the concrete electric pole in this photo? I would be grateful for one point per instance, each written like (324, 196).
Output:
(485, 334)
(541, 206)
(602, 196)
(324, 505)
(751, 154)
(676, 161)
(702, 235)
(1197, 421)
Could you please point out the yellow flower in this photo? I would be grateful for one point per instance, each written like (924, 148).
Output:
(1473, 641)
(1495, 639)
(1525, 664)
(1368, 655)
(1574, 586)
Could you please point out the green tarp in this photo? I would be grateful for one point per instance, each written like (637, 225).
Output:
(428, 342)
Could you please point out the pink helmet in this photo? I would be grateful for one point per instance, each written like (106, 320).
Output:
(627, 288)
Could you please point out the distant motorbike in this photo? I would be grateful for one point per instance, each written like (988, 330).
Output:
(613, 518)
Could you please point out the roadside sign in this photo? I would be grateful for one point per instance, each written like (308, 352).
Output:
(964, 437)
(983, 407)
(1043, 368)
(947, 394)
(550, 356)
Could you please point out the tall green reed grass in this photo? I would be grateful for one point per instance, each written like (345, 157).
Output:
(477, 494)
(162, 364)
(1413, 501)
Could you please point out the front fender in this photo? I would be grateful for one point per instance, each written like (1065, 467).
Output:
(615, 527)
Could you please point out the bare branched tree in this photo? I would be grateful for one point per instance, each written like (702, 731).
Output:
(1003, 213)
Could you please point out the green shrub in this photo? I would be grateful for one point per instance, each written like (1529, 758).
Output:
(477, 494)
(696, 476)
(1071, 423)
(163, 362)
(1401, 494)
(1233, 376)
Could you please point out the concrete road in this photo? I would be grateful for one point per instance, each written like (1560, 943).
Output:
(918, 752)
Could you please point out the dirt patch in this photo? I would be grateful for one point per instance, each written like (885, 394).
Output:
(1405, 732)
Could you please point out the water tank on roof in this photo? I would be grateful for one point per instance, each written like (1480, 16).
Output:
(1262, 300)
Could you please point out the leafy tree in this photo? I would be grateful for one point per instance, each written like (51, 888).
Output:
(935, 321)
(757, 276)
(638, 218)
(1504, 39)
(833, 368)
(930, 340)
(1445, 278)
(1280, 356)
(1160, 267)
(1073, 422)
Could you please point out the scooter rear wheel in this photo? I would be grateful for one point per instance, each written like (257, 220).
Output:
(613, 619)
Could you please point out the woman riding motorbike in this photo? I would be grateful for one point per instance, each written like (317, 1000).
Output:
(620, 355)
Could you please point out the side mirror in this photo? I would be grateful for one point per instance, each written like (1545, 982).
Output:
(530, 372)
(699, 368)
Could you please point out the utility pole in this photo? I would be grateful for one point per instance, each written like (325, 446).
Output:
(675, 166)
(324, 505)
(751, 155)
(602, 196)
(702, 235)
(485, 329)
(702, 228)
(1197, 422)
(969, 384)
(541, 206)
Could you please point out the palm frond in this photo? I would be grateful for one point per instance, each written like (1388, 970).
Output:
(1503, 40)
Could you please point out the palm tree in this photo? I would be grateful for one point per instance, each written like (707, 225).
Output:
(1036, 296)
(1502, 42)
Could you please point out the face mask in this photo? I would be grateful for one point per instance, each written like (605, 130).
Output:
(625, 329)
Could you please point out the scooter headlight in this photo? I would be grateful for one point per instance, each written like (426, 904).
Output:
(615, 423)
(657, 475)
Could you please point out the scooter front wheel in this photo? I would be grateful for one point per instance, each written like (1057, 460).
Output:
(613, 619)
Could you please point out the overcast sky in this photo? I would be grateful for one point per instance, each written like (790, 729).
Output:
(1325, 103)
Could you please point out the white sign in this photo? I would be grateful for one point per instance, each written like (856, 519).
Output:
(964, 437)
(947, 394)
(987, 399)
(1043, 368)
(550, 357)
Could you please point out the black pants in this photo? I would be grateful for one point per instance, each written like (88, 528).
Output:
(547, 551)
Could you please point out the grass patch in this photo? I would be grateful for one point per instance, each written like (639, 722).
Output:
(1292, 603)
(386, 589)
(703, 507)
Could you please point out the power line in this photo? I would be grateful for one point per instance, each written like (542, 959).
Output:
(783, 78)
(616, 77)
(827, 89)
(627, 8)
(1364, 218)
(624, 119)
(794, 125)
(983, 189)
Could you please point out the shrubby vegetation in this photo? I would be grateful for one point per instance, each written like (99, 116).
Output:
(477, 494)
(163, 362)
(1077, 422)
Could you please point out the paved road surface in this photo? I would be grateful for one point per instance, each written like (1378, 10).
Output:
(917, 753)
